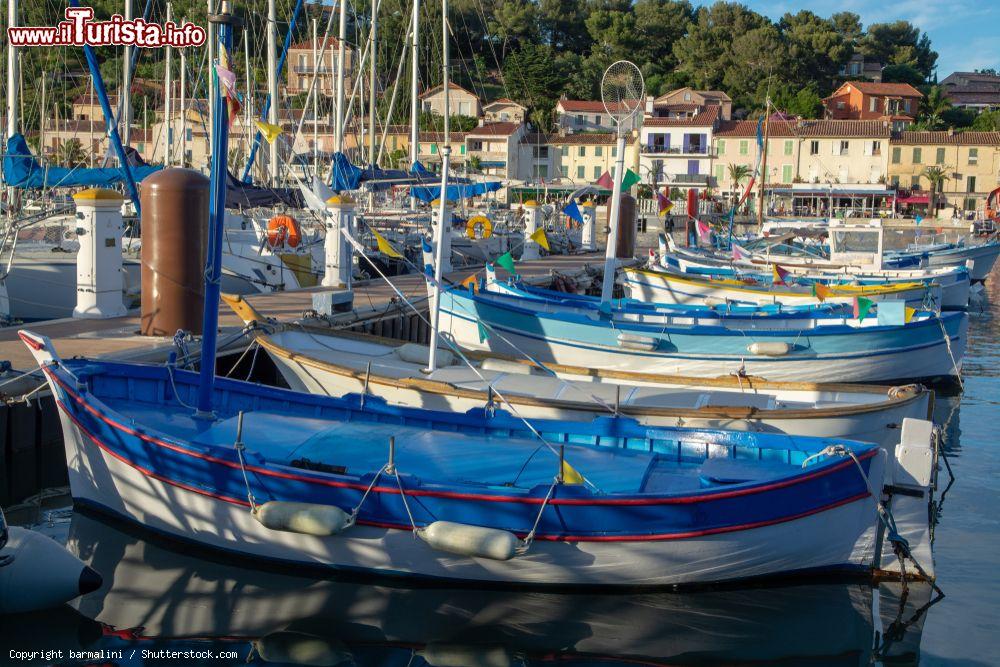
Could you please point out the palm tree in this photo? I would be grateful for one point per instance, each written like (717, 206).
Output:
(936, 176)
(737, 174)
(71, 153)
(475, 163)
(933, 107)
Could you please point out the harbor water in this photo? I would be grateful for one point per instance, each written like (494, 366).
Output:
(164, 603)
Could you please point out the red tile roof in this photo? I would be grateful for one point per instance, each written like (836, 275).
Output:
(495, 130)
(504, 100)
(451, 86)
(703, 118)
(890, 89)
(945, 137)
(593, 106)
(876, 129)
(582, 139)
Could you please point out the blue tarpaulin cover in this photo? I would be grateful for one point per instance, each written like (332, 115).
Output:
(21, 169)
(455, 192)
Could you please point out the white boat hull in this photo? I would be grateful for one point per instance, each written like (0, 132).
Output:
(878, 426)
(839, 538)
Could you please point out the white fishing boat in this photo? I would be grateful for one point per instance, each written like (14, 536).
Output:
(312, 358)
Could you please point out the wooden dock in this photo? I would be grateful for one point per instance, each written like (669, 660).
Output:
(118, 338)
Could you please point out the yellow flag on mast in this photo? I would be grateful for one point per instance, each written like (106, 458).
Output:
(540, 238)
(385, 247)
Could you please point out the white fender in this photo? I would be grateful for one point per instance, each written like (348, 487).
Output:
(458, 655)
(305, 518)
(466, 540)
(42, 574)
(301, 648)
(769, 348)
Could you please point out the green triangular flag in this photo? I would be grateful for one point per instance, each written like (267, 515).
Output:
(861, 307)
(483, 333)
(506, 260)
(631, 178)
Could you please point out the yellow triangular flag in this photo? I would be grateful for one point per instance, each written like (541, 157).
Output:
(385, 247)
(270, 132)
(908, 314)
(540, 238)
(570, 475)
(472, 280)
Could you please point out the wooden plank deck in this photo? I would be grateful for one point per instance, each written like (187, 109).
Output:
(118, 338)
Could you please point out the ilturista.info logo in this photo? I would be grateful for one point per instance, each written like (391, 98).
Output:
(80, 29)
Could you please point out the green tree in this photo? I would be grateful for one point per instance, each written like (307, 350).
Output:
(71, 153)
(987, 121)
(899, 43)
(804, 102)
(737, 174)
(933, 108)
(903, 73)
(936, 176)
(533, 78)
(515, 23)
(816, 48)
(475, 164)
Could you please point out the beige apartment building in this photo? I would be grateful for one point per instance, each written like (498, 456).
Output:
(970, 159)
(461, 102)
(304, 60)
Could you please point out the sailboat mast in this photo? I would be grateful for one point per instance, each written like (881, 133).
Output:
(373, 84)
(41, 121)
(316, 70)
(272, 83)
(126, 96)
(212, 4)
(216, 213)
(763, 164)
(168, 100)
(444, 220)
(183, 108)
(341, 56)
(414, 94)
(13, 75)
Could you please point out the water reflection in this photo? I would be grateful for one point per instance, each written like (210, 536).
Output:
(158, 596)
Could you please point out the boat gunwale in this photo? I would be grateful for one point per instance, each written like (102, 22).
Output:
(444, 388)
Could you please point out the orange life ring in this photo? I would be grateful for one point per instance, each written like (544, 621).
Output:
(282, 230)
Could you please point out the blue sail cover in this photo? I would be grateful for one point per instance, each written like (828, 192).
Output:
(455, 192)
(21, 169)
(347, 176)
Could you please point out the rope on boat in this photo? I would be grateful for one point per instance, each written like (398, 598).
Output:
(239, 447)
(951, 354)
(530, 537)
(900, 546)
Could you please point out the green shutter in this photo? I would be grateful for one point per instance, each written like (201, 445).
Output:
(788, 149)
(434, 149)
(786, 173)
(897, 154)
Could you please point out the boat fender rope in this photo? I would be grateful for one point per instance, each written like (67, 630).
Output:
(951, 354)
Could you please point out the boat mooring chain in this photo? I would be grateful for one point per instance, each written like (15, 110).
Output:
(900, 546)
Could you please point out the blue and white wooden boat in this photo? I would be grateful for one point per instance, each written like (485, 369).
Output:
(821, 347)
(979, 259)
(658, 507)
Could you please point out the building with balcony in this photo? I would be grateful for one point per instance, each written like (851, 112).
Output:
(304, 61)
(461, 102)
(897, 103)
(860, 67)
(678, 150)
(494, 148)
(735, 144)
(592, 116)
(504, 110)
(970, 159)
(973, 90)
(687, 103)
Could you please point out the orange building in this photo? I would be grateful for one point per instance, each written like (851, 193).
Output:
(867, 100)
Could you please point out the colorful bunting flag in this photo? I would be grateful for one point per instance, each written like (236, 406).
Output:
(821, 291)
(570, 474)
(908, 314)
(385, 247)
(861, 307)
(918, 219)
(573, 211)
(739, 252)
(704, 231)
(428, 256)
(227, 78)
(663, 203)
(227, 81)
(470, 282)
(540, 238)
(605, 181)
(484, 335)
(270, 132)
(506, 260)
(779, 274)
(630, 179)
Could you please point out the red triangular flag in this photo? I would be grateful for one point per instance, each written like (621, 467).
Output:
(605, 181)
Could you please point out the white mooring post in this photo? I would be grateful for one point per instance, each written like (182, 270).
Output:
(99, 278)
(532, 219)
(339, 255)
(588, 238)
(445, 233)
